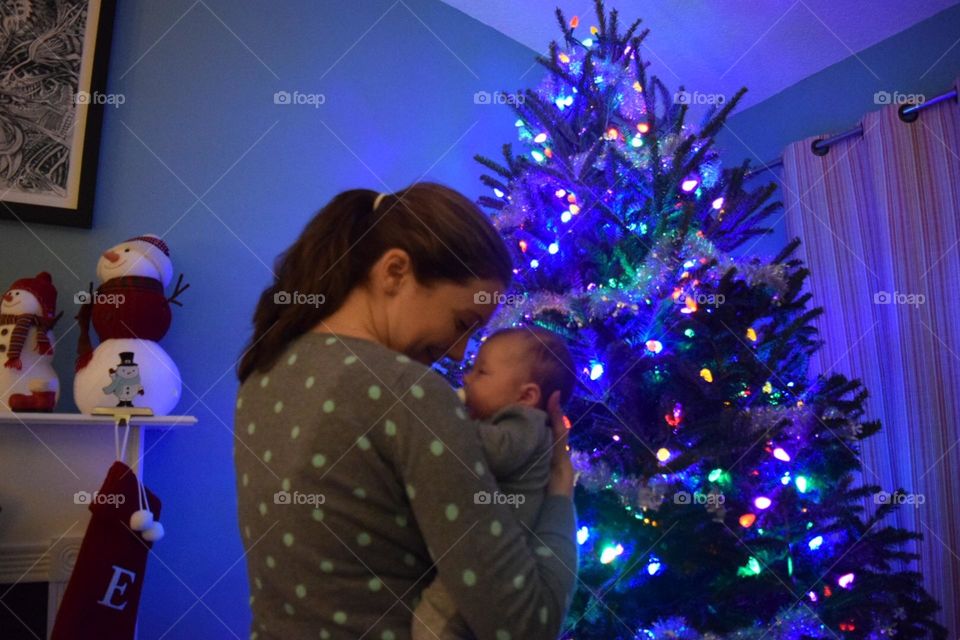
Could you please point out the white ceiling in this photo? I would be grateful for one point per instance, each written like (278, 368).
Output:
(721, 45)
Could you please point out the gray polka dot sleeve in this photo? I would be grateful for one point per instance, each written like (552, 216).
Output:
(358, 481)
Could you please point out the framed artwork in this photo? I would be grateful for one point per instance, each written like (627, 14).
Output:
(53, 71)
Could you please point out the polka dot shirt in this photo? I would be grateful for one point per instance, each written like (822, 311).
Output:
(360, 480)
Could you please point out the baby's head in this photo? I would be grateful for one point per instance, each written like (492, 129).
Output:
(522, 365)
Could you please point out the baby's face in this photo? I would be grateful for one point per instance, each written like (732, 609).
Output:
(496, 379)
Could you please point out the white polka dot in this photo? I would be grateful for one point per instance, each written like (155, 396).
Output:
(239, 402)
(295, 432)
(417, 391)
(292, 359)
(288, 539)
(301, 591)
(363, 442)
(461, 413)
(479, 468)
(350, 359)
(326, 566)
(309, 382)
(251, 428)
(262, 508)
(390, 428)
(258, 582)
(267, 455)
(388, 635)
(543, 615)
(324, 634)
(246, 532)
(360, 493)
(363, 538)
(452, 512)
(411, 491)
(546, 552)
(503, 634)
(436, 447)
(402, 358)
(288, 608)
(318, 515)
(409, 560)
(285, 485)
(271, 562)
(329, 341)
(518, 581)
(469, 578)
(245, 479)
(318, 460)
(253, 634)
(278, 406)
(374, 584)
(496, 528)
(374, 392)
(329, 406)
(401, 520)
(264, 381)
(339, 617)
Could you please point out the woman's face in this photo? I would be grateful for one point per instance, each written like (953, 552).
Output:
(428, 322)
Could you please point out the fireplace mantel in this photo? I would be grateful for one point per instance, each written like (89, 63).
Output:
(46, 459)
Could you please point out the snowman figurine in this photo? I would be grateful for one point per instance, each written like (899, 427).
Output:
(130, 313)
(125, 380)
(27, 314)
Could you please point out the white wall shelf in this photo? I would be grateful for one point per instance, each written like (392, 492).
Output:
(77, 419)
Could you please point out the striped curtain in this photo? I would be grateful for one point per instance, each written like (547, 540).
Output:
(879, 217)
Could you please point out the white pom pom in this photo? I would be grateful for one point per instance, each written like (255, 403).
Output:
(141, 520)
(154, 533)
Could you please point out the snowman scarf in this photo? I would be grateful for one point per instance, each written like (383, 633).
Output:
(23, 322)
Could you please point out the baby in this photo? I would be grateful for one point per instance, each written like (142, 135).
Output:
(515, 373)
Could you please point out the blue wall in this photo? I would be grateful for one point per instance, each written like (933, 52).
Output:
(924, 59)
(200, 120)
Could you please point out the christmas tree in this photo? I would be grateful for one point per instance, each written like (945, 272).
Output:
(718, 494)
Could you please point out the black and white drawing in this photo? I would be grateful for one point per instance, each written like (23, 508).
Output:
(52, 77)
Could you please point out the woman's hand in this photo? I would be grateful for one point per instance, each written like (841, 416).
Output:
(562, 477)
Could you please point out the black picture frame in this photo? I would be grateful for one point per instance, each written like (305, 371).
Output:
(69, 204)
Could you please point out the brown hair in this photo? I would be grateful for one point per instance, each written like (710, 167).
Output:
(551, 365)
(446, 235)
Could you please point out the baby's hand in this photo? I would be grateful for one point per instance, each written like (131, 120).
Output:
(562, 477)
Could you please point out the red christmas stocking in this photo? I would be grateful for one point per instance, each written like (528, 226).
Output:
(103, 594)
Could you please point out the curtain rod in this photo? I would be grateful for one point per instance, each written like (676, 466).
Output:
(907, 113)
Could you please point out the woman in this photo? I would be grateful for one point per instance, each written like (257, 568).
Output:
(360, 475)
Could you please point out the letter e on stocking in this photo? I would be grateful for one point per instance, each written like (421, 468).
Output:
(116, 587)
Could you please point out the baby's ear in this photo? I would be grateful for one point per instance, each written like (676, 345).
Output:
(530, 394)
